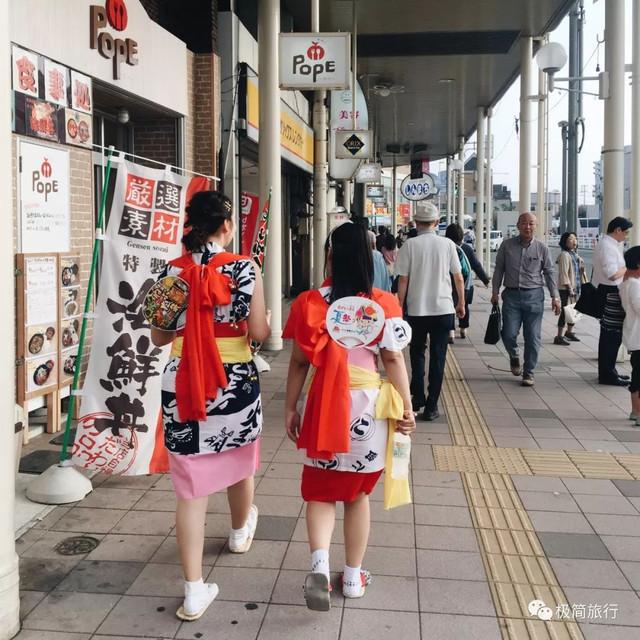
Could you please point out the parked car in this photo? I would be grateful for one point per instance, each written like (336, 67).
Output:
(495, 240)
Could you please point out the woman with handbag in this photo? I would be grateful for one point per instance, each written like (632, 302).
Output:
(570, 277)
(344, 426)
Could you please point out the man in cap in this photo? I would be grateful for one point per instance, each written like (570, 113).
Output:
(425, 265)
(523, 265)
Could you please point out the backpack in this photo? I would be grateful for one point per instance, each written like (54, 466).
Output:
(466, 267)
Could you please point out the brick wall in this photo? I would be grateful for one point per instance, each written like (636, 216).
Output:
(156, 139)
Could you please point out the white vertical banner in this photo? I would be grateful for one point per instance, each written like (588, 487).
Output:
(121, 397)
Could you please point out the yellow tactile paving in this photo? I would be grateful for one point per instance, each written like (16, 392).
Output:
(630, 462)
(598, 465)
(544, 462)
(516, 566)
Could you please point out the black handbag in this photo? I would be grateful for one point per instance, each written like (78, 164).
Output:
(494, 326)
(589, 302)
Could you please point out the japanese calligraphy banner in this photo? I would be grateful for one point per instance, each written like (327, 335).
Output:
(119, 429)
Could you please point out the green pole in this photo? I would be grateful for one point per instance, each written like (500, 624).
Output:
(87, 307)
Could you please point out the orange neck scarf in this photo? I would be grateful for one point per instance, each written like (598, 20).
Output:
(325, 427)
(201, 372)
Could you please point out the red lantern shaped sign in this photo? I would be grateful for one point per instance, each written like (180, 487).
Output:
(45, 169)
(315, 51)
(117, 14)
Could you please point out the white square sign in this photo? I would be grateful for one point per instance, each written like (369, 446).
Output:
(314, 60)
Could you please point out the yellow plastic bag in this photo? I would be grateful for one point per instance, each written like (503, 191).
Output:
(389, 405)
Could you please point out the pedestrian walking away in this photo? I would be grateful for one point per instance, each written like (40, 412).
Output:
(570, 277)
(425, 266)
(211, 405)
(630, 298)
(381, 277)
(608, 271)
(467, 257)
(523, 265)
(343, 428)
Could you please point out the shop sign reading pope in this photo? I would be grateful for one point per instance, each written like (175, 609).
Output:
(314, 60)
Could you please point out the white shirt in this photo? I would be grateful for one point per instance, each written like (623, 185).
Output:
(607, 259)
(630, 297)
(428, 260)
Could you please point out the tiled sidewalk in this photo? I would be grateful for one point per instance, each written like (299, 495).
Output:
(441, 568)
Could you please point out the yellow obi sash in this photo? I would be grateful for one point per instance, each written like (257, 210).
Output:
(232, 350)
(389, 406)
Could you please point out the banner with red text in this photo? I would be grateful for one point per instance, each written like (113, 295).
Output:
(120, 426)
(250, 205)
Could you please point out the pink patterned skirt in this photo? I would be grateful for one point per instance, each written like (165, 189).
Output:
(196, 476)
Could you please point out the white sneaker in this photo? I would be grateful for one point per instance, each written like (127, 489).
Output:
(242, 543)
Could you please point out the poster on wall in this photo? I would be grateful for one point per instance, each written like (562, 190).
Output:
(70, 315)
(44, 199)
(121, 395)
(41, 119)
(81, 97)
(38, 326)
(78, 128)
(55, 82)
(25, 71)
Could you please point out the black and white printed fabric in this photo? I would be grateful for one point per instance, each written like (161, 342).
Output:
(234, 418)
(368, 436)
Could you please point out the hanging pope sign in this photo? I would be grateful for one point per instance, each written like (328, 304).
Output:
(314, 60)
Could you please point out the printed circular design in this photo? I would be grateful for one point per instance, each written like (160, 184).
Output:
(354, 321)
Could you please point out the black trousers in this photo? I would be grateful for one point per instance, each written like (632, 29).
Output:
(436, 328)
(610, 332)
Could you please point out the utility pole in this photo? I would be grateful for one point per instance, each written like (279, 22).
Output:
(526, 71)
(575, 113)
(564, 125)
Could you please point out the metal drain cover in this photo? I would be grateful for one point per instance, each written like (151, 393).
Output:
(76, 545)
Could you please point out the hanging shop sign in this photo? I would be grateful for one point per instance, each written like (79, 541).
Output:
(375, 191)
(354, 144)
(44, 198)
(120, 50)
(121, 396)
(55, 82)
(419, 188)
(81, 92)
(25, 71)
(314, 60)
(369, 172)
(296, 136)
(342, 118)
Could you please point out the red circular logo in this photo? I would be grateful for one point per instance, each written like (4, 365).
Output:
(315, 51)
(117, 14)
(45, 169)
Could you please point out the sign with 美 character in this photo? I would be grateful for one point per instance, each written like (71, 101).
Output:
(354, 144)
(44, 198)
(354, 321)
(314, 60)
(121, 395)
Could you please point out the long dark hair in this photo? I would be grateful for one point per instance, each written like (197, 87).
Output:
(351, 261)
(206, 212)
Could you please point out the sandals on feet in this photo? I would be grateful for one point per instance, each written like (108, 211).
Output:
(190, 617)
(317, 592)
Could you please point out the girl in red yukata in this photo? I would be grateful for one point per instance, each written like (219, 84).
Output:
(345, 441)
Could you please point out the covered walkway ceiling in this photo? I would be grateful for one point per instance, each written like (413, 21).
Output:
(450, 58)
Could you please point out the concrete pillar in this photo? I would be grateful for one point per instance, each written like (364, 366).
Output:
(526, 71)
(394, 206)
(320, 167)
(635, 129)
(480, 147)
(541, 208)
(613, 148)
(488, 180)
(461, 185)
(269, 160)
(9, 600)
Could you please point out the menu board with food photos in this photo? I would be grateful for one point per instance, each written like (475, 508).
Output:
(38, 325)
(70, 315)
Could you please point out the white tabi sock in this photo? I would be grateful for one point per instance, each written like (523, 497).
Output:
(320, 562)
